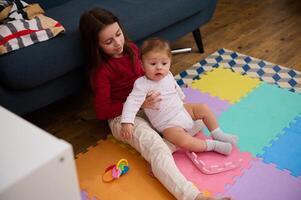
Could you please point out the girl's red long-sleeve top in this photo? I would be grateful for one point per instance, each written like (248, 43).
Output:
(112, 82)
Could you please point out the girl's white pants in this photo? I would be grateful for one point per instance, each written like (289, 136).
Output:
(159, 154)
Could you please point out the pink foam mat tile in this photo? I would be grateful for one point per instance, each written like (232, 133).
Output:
(214, 183)
(195, 96)
(264, 181)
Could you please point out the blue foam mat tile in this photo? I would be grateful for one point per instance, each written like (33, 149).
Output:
(285, 151)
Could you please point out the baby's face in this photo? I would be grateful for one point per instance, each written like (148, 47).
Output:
(156, 65)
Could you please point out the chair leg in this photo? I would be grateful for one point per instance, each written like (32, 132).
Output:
(198, 40)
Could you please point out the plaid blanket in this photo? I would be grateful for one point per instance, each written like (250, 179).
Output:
(23, 24)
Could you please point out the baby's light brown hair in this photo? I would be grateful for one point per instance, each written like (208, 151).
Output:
(155, 45)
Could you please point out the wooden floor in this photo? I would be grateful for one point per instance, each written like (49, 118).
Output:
(265, 29)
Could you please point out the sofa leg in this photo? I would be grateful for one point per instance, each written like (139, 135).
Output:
(198, 40)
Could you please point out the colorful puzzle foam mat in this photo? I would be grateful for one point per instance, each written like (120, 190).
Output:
(258, 101)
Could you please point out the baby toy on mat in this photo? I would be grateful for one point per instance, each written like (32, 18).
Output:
(115, 171)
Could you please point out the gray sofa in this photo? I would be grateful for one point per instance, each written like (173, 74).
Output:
(40, 74)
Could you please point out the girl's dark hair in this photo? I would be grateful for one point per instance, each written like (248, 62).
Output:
(91, 23)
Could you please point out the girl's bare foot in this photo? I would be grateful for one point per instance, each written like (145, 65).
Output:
(201, 197)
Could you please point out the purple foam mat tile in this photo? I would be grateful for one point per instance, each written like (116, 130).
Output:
(84, 195)
(264, 181)
(195, 96)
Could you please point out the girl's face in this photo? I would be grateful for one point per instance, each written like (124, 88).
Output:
(156, 65)
(111, 40)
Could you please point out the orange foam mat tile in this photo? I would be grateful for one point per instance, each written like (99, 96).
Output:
(135, 184)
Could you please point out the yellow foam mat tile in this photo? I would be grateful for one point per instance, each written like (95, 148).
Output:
(135, 184)
(226, 84)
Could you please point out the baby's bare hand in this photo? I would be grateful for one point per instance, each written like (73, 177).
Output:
(152, 100)
(127, 130)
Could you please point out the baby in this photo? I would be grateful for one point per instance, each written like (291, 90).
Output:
(178, 122)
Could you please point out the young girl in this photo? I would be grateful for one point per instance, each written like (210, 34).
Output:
(174, 119)
(114, 66)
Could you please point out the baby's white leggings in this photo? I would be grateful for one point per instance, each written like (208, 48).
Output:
(154, 150)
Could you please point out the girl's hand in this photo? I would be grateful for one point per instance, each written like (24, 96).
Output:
(152, 100)
(127, 130)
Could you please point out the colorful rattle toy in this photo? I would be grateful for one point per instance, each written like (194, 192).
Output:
(115, 171)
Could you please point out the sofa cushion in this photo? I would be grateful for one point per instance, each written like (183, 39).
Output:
(39, 63)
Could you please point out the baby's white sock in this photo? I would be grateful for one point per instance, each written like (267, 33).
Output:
(218, 134)
(220, 147)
